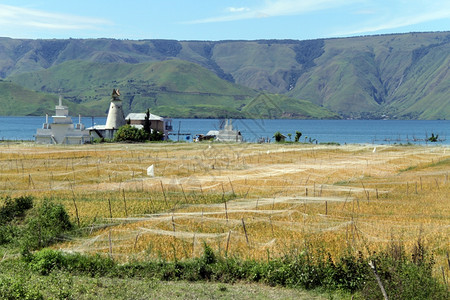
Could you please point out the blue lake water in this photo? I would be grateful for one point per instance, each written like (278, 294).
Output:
(322, 131)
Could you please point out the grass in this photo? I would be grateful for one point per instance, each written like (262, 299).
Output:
(65, 285)
(288, 197)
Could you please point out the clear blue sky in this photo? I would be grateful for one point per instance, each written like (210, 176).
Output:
(219, 19)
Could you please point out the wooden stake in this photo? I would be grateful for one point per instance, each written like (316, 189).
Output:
(245, 231)
(443, 275)
(345, 202)
(201, 190)
(182, 189)
(380, 284)
(136, 240)
(110, 211)
(365, 191)
(75, 204)
(30, 182)
(228, 243)
(201, 223)
(246, 194)
(110, 245)
(164, 193)
(193, 245)
(125, 202)
(232, 189)
(226, 211)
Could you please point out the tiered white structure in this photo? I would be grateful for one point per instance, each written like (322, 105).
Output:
(228, 134)
(62, 130)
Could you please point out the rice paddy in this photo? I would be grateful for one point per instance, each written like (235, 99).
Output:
(248, 200)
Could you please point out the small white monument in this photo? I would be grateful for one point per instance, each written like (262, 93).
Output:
(62, 130)
(228, 134)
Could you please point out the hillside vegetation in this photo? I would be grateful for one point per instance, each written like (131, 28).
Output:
(173, 88)
(399, 75)
(18, 101)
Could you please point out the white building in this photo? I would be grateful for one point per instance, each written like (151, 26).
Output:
(160, 124)
(62, 130)
(114, 120)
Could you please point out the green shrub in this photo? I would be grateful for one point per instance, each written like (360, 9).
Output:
(17, 288)
(12, 212)
(278, 136)
(91, 265)
(128, 133)
(349, 273)
(15, 208)
(45, 224)
(8, 233)
(405, 277)
(156, 136)
(45, 260)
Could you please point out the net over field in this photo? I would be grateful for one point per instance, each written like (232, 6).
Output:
(247, 200)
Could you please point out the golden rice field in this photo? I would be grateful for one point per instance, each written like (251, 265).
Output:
(248, 200)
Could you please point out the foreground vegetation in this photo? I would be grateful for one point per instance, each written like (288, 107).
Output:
(287, 215)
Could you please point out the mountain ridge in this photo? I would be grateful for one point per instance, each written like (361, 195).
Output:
(397, 75)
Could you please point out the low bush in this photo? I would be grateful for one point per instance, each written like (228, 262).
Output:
(403, 278)
(44, 225)
(17, 288)
(11, 213)
(128, 133)
(46, 260)
(14, 208)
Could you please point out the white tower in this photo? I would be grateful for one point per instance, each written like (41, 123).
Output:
(116, 117)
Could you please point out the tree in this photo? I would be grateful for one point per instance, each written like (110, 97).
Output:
(128, 133)
(278, 136)
(290, 136)
(147, 122)
(298, 135)
(433, 138)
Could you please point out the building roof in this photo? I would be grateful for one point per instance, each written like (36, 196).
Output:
(141, 117)
(213, 132)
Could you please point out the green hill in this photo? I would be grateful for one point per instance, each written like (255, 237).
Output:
(398, 75)
(172, 88)
(18, 101)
